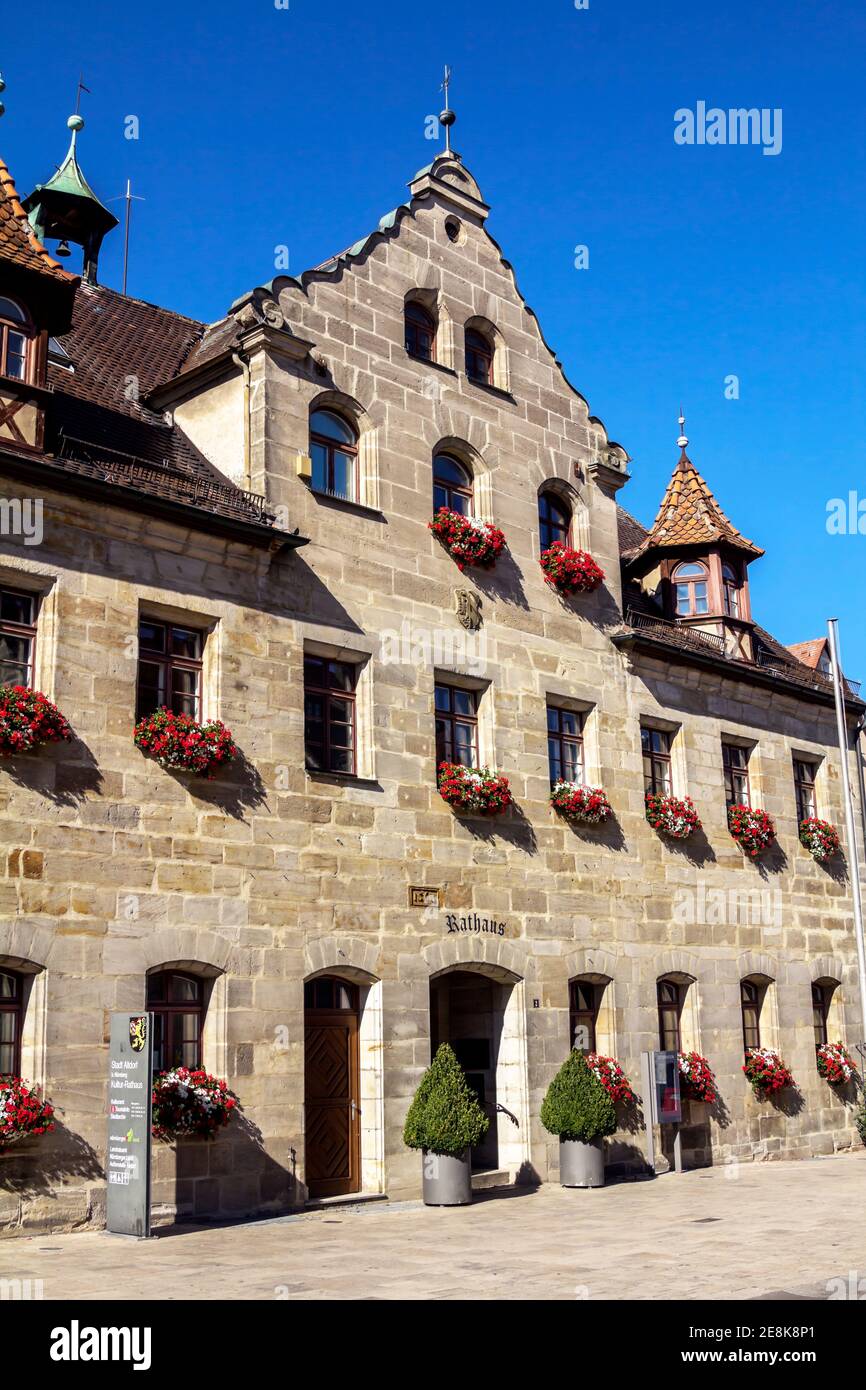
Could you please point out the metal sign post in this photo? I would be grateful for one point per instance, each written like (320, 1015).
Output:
(660, 1076)
(130, 1082)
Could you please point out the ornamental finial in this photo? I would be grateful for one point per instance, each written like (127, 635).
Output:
(447, 117)
(682, 441)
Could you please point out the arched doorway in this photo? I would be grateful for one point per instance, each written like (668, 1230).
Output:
(332, 1115)
(479, 1012)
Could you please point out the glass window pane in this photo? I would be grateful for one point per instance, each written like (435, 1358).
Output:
(314, 670)
(12, 311)
(341, 760)
(319, 459)
(332, 427)
(344, 475)
(443, 697)
(156, 985)
(441, 499)
(552, 718)
(186, 642)
(683, 599)
(8, 986)
(151, 636)
(464, 701)
(342, 675)
(690, 571)
(184, 682)
(16, 608)
(183, 988)
(15, 649)
(569, 722)
(451, 471)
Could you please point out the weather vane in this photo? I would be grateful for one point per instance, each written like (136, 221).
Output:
(81, 88)
(447, 117)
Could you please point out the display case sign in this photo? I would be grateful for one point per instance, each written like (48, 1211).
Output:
(666, 1077)
(130, 1084)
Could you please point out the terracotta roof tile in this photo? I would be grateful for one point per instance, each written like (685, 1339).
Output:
(809, 653)
(18, 242)
(690, 515)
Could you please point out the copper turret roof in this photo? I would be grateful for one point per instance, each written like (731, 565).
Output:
(690, 515)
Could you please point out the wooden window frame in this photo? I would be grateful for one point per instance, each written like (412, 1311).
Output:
(334, 982)
(325, 693)
(732, 591)
(452, 489)
(168, 1008)
(549, 499)
(170, 662)
(804, 787)
(332, 446)
(659, 776)
(480, 350)
(690, 583)
(580, 1017)
(732, 770)
(751, 1003)
(27, 631)
(15, 1007)
(564, 741)
(421, 321)
(450, 718)
(664, 1007)
(822, 995)
(25, 330)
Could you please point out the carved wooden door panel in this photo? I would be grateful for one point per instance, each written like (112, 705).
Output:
(332, 1116)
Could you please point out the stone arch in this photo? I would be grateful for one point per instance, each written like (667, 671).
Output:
(25, 947)
(758, 963)
(674, 963)
(827, 968)
(763, 970)
(598, 966)
(590, 961)
(25, 950)
(475, 461)
(487, 954)
(368, 439)
(683, 968)
(203, 953)
(830, 971)
(350, 956)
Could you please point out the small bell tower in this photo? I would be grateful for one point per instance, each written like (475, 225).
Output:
(67, 209)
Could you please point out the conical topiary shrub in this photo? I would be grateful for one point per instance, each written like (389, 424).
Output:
(444, 1117)
(577, 1106)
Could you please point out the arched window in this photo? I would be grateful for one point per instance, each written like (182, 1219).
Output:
(452, 485)
(584, 999)
(334, 455)
(751, 998)
(554, 520)
(822, 998)
(690, 589)
(15, 338)
(331, 994)
(10, 1023)
(176, 1000)
(670, 1003)
(731, 587)
(479, 357)
(420, 332)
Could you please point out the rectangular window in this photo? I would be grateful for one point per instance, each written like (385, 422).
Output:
(735, 761)
(656, 749)
(169, 668)
(584, 999)
(820, 1006)
(329, 715)
(17, 637)
(565, 745)
(10, 1024)
(750, 1000)
(669, 1015)
(804, 786)
(456, 725)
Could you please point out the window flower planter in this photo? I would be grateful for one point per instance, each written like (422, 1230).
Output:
(820, 838)
(178, 742)
(697, 1081)
(752, 829)
(570, 571)
(474, 790)
(468, 542)
(612, 1078)
(22, 1111)
(835, 1064)
(766, 1071)
(587, 805)
(190, 1103)
(673, 816)
(28, 719)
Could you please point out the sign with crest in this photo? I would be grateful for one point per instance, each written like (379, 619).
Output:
(130, 1081)
(468, 605)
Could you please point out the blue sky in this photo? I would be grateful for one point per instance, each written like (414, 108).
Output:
(262, 126)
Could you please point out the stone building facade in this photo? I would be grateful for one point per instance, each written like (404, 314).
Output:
(336, 917)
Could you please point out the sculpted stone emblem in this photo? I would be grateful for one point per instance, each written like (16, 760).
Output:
(468, 609)
(272, 314)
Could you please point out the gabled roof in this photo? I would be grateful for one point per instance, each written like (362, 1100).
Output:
(809, 653)
(690, 515)
(18, 241)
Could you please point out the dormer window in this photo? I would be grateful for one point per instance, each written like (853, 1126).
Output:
(690, 590)
(15, 338)
(731, 589)
(420, 332)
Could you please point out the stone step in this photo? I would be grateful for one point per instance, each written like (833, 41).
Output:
(490, 1177)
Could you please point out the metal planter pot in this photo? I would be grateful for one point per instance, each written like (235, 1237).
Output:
(446, 1179)
(580, 1164)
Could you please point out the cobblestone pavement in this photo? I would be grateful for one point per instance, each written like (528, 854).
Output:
(773, 1229)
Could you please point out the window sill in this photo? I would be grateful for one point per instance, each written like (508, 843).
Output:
(498, 391)
(346, 504)
(430, 362)
(343, 779)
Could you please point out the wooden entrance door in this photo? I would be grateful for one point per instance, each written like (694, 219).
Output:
(331, 1087)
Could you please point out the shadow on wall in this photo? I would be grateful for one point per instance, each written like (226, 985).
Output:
(236, 789)
(512, 826)
(608, 833)
(504, 583)
(696, 849)
(65, 773)
(35, 1167)
(227, 1177)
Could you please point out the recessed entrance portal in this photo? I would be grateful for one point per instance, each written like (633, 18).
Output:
(331, 1087)
(480, 1015)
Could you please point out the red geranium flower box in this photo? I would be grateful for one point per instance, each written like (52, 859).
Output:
(672, 815)
(697, 1081)
(22, 1111)
(820, 838)
(612, 1077)
(752, 829)
(178, 742)
(190, 1103)
(835, 1063)
(468, 542)
(474, 790)
(28, 719)
(766, 1071)
(570, 571)
(577, 803)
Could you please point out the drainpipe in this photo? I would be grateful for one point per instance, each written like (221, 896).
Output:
(240, 360)
(853, 856)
